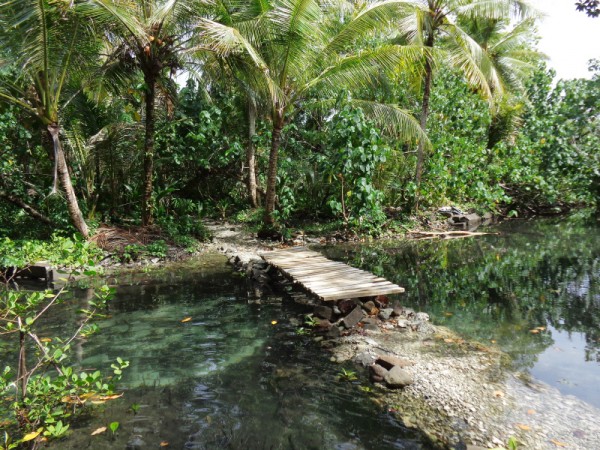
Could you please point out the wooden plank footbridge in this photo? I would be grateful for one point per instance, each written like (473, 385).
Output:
(329, 280)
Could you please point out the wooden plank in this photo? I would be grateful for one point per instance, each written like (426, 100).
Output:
(329, 280)
(340, 283)
(356, 294)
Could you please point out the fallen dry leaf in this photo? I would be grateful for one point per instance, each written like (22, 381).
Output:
(531, 411)
(273, 322)
(186, 319)
(448, 341)
(558, 443)
(523, 427)
(45, 340)
(534, 331)
(540, 328)
(32, 435)
(98, 431)
(164, 444)
(498, 394)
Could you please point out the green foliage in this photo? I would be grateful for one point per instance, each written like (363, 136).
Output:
(42, 392)
(113, 427)
(357, 152)
(347, 375)
(72, 253)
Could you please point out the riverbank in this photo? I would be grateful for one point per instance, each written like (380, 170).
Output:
(462, 394)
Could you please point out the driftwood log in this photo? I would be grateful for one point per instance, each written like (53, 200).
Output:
(445, 234)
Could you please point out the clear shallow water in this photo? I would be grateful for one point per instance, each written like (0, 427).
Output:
(227, 379)
(497, 289)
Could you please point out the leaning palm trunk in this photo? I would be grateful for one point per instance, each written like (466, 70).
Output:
(148, 154)
(65, 181)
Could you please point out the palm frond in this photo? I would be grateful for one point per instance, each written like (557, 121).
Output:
(373, 17)
(356, 70)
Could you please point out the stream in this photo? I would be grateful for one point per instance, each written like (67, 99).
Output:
(242, 374)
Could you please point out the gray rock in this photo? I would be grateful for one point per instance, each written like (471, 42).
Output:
(372, 328)
(333, 333)
(377, 372)
(389, 361)
(135, 443)
(402, 323)
(369, 307)
(386, 313)
(370, 320)
(365, 359)
(352, 319)
(324, 312)
(422, 317)
(398, 310)
(398, 378)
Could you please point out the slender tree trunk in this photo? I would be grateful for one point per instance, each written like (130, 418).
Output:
(148, 153)
(423, 121)
(251, 153)
(22, 372)
(25, 207)
(272, 173)
(65, 180)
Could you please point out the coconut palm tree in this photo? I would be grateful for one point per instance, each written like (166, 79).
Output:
(147, 37)
(435, 22)
(513, 59)
(303, 52)
(52, 49)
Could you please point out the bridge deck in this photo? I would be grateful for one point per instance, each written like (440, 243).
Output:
(328, 280)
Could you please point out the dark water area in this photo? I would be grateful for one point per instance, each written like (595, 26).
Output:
(238, 375)
(533, 290)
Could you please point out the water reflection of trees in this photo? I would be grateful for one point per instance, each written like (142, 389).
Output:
(539, 273)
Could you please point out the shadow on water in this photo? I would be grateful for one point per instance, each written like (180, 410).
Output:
(533, 289)
(235, 376)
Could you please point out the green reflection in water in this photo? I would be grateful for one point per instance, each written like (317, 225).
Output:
(227, 379)
(496, 289)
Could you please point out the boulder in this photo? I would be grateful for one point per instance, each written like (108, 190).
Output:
(377, 372)
(365, 359)
(386, 313)
(370, 308)
(323, 312)
(389, 361)
(398, 378)
(352, 319)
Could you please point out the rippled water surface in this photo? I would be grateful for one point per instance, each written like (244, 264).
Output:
(533, 289)
(235, 376)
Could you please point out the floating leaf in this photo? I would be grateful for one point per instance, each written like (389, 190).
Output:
(31, 436)
(164, 444)
(558, 443)
(523, 427)
(493, 341)
(273, 322)
(498, 394)
(98, 431)
(186, 319)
